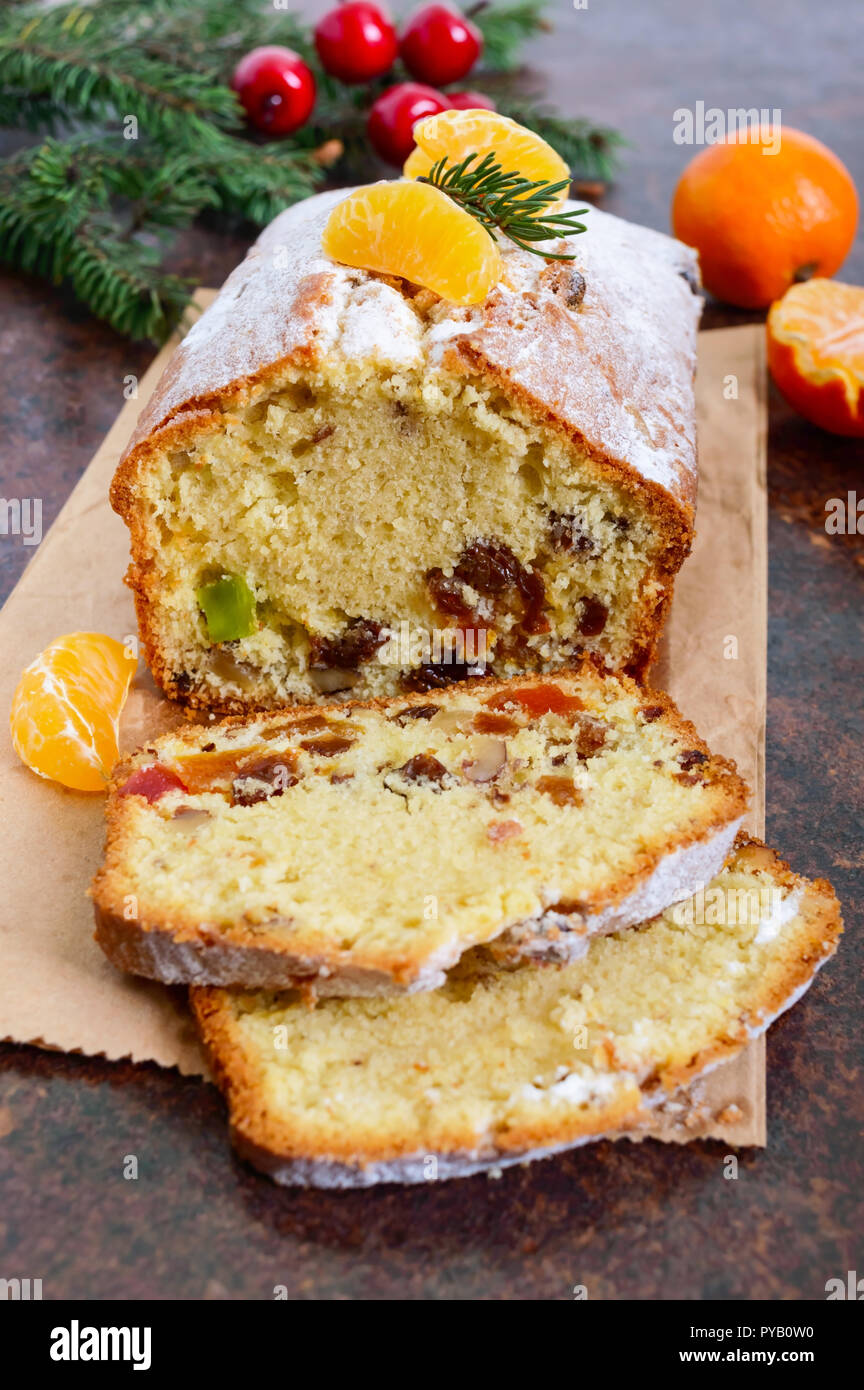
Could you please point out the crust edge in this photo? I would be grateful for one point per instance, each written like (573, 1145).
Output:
(252, 1134)
(143, 944)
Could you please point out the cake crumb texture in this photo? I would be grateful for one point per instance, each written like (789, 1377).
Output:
(499, 1064)
(365, 457)
(364, 848)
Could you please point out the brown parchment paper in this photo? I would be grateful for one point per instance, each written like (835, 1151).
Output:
(56, 987)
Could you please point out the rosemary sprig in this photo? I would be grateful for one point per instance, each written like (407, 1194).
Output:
(507, 203)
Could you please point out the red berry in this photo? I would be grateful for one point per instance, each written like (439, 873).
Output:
(471, 101)
(439, 45)
(393, 116)
(276, 89)
(356, 42)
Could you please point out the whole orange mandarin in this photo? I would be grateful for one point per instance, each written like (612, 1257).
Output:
(762, 221)
(816, 353)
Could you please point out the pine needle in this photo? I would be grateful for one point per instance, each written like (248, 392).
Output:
(507, 202)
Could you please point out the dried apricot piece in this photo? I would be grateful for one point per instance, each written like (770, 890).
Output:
(538, 700)
(414, 231)
(66, 709)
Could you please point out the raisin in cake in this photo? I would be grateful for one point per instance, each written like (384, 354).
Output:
(500, 1066)
(336, 469)
(362, 849)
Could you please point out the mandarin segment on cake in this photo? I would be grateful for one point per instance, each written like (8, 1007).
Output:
(415, 232)
(451, 135)
(362, 849)
(363, 466)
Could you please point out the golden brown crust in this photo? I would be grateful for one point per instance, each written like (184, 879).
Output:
(288, 1151)
(183, 949)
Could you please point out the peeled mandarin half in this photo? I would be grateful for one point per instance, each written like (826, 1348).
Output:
(816, 353)
(66, 709)
(455, 134)
(415, 231)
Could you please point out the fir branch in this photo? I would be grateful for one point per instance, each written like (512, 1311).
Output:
(204, 36)
(78, 58)
(21, 111)
(505, 28)
(508, 203)
(225, 30)
(122, 282)
(59, 219)
(257, 182)
(591, 151)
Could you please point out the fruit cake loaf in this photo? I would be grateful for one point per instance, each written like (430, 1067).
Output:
(362, 849)
(336, 469)
(500, 1066)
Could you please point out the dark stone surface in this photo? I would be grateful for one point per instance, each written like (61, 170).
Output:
(649, 1221)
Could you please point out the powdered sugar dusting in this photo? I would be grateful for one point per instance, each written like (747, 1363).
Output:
(615, 369)
(576, 1088)
(779, 915)
(678, 876)
(379, 325)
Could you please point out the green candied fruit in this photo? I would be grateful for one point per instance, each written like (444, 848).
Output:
(228, 606)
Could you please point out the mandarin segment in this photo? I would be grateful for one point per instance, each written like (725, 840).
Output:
(816, 353)
(66, 709)
(455, 134)
(415, 231)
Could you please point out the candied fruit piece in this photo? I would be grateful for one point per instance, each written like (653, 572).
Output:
(590, 736)
(652, 712)
(593, 617)
(437, 676)
(152, 782)
(692, 757)
(568, 907)
(264, 778)
(357, 644)
(204, 772)
(561, 790)
(501, 830)
(448, 595)
(328, 745)
(423, 768)
(228, 605)
(538, 699)
(492, 570)
(488, 723)
(404, 716)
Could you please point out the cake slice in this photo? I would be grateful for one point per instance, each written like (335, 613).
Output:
(362, 849)
(500, 1066)
(346, 486)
